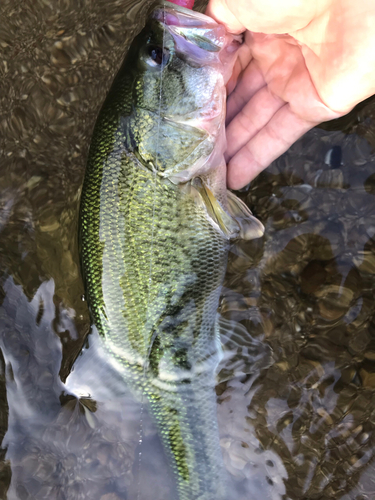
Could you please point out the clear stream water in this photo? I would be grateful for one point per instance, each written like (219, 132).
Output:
(301, 424)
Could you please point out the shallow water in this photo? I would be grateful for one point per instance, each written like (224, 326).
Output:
(300, 424)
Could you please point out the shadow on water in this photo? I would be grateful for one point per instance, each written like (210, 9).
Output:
(301, 424)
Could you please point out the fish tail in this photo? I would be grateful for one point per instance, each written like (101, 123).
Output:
(187, 422)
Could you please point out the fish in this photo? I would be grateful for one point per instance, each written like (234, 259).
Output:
(156, 224)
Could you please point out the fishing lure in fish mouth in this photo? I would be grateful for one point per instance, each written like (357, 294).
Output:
(156, 222)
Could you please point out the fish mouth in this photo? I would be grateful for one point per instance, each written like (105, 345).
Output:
(197, 36)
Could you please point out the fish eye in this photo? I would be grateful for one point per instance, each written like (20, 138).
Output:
(159, 56)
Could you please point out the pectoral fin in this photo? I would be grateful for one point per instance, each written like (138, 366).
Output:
(250, 227)
(227, 224)
(237, 222)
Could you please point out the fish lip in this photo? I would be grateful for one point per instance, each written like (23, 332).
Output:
(196, 18)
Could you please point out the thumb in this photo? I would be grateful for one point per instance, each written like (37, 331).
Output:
(218, 10)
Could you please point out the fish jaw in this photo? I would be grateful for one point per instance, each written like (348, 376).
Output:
(199, 36)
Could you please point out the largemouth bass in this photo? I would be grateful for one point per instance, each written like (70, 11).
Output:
(155, 227)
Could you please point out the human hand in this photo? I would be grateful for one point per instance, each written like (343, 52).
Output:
(302, 63)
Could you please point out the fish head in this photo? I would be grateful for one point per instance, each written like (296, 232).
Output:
(179, 67)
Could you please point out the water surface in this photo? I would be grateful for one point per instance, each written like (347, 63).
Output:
(299, 424)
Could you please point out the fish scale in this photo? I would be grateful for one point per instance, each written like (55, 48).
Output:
(154, 239)
(180, 272)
